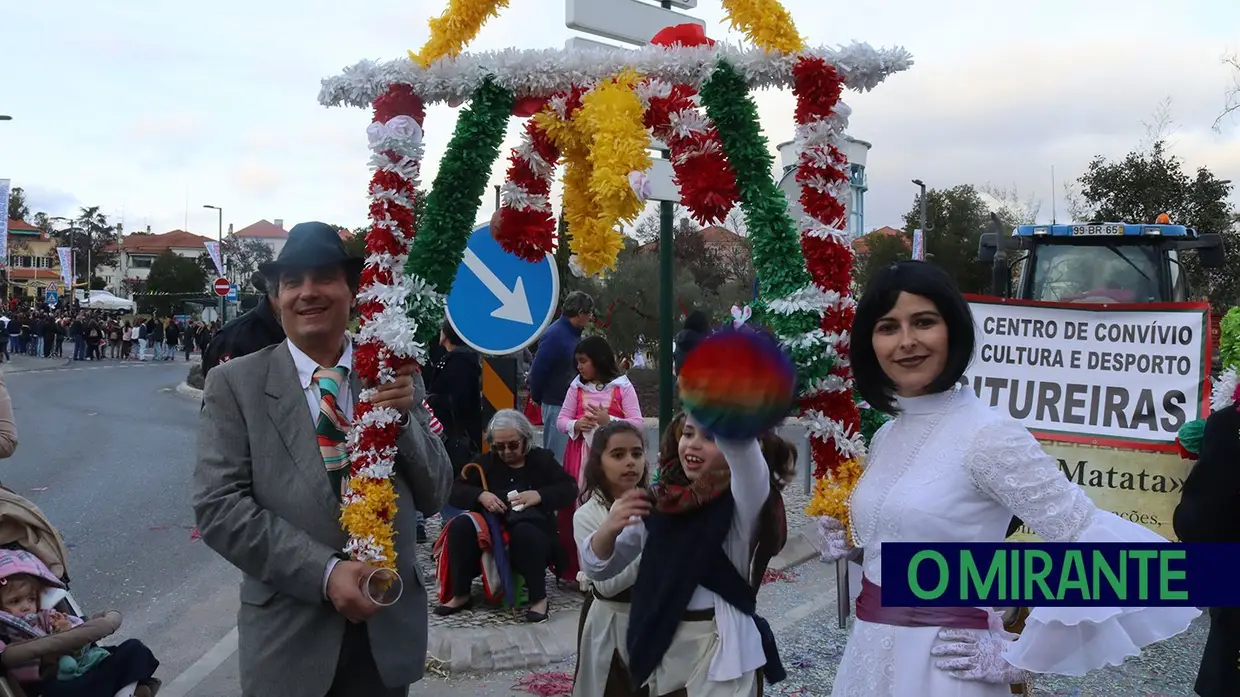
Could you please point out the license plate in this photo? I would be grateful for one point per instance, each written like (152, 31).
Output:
(1097, 230)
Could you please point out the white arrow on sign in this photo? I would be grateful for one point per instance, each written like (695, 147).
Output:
(514, 305)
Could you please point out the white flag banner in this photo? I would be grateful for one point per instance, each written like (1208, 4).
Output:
(213, 249)
(4, 224)
(66, 266)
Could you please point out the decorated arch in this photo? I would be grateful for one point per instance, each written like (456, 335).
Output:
(592, 113)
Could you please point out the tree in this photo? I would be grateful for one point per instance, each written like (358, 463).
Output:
(92, 239)
(244, 257)
(175, 276)
(956, 219)
(1231, 97)
(18, 210)
(1146, 183)
(876, 250)
(1012, 208)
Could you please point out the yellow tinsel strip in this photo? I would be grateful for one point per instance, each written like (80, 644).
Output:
(580, 210)
(766, 23)
(370, 515)
(831, 494)
(452, 31)
(611, 115)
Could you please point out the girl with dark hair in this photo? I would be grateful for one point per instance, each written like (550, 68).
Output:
(616, 466)
(948, 468)
(598, 395)
(704, 535)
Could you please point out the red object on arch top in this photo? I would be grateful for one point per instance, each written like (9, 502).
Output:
(684, 35)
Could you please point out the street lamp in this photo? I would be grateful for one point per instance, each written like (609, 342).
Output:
(220, 239)
(924, 232)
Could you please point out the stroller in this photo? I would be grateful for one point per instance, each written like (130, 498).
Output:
(23, 526)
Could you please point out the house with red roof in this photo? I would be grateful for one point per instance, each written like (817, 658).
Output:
(862, 246)
(136, 252)
(32, 261)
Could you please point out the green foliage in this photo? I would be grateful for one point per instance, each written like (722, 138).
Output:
(880, 250)
(92, 238)
(1229, 339)
(1147, 183)
(243, 257)
(175, 274)
(18, 210)
(956, 219)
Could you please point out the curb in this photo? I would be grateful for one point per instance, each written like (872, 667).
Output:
(188, 391)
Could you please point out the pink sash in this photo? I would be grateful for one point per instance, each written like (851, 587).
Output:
(870, 609)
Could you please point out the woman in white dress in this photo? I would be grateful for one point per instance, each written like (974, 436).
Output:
(949, 468)
(615, 466)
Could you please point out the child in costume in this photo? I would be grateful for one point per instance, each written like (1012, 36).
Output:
(91, 671)
(714, 509)
(599, 394)
(616, 465)
(1208, 510)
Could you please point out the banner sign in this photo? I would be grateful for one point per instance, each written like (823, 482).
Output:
(213, 249)
(1127, 376)
(66, 265)
(4, 224)
(1137, 485)
(1062, 574)
(919, 245)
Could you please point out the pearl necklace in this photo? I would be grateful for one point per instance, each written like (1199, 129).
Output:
(908, 462)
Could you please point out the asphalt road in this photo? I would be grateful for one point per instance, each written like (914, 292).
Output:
(106, 450)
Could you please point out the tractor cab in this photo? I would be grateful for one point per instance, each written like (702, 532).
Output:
(1096, 262)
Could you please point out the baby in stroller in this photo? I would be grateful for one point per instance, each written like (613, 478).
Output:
(47, 647)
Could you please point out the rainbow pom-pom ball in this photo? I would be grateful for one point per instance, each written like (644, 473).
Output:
(738, 383)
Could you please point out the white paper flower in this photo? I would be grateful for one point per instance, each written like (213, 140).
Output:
(641, 186)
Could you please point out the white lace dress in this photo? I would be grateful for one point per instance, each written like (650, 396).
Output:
(950, 469)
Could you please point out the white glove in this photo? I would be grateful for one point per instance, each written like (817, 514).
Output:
(977, 656)
(833, 542)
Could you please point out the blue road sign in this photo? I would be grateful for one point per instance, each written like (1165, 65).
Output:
(499, 302)
(232, 293)
(51, 297)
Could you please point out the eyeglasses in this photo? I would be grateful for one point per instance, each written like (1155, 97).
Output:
(514, 446)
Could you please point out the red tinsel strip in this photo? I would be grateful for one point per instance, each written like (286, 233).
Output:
(701, 171)
(527, 232)
(818, 88)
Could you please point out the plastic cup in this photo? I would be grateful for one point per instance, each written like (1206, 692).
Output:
(383, 587)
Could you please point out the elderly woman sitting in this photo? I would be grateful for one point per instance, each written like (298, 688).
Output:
(513, 464)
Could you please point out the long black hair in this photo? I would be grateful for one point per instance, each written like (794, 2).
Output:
(594, 480)
(601, 355)
(881, 294)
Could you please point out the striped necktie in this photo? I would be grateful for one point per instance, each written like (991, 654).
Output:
(332, 428)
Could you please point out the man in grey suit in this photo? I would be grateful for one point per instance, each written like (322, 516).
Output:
(266, 499)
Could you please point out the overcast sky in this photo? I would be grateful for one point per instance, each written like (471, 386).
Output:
(150, 109)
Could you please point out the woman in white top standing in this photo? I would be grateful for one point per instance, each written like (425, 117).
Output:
(949, 468)
(713, 503)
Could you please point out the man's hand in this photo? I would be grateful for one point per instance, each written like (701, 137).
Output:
(492, 503)
(344, 589)
(527, 499)
(398, 394)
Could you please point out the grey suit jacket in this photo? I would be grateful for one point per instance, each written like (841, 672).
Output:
(263, 501)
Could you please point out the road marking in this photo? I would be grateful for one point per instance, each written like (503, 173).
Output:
(202, 668)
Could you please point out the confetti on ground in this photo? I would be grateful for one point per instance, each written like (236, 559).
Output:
(772, 576)
(39, 488)
(437, 667)
(548, 684)
(194, 534)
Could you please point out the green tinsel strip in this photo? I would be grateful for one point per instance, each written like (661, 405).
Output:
(453, 202)
(1229, 338)
(773, 237)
